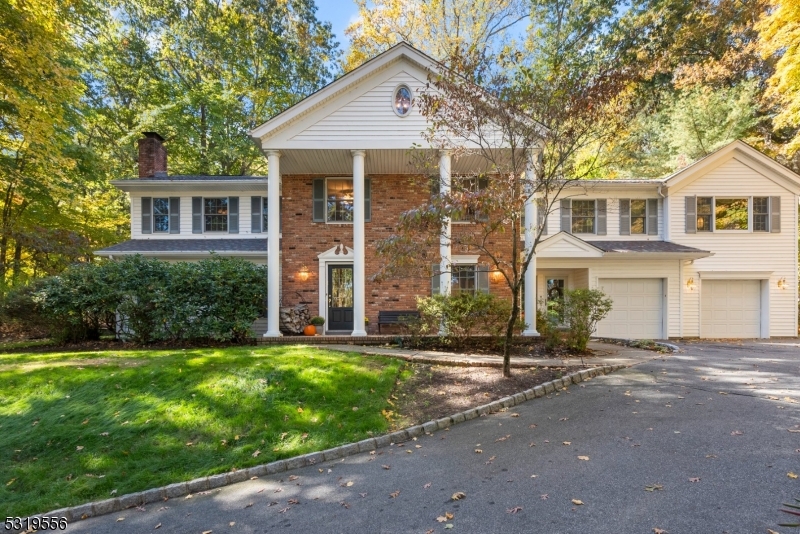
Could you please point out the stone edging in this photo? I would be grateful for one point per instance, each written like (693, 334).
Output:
(108, 506)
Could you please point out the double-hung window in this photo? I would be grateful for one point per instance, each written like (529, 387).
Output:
(470, 188)
(733, 214)
(333, 200)
(161, 215)
(463, 279)
(583, 216)
(215, 214)
(466, 276)
(638, 216)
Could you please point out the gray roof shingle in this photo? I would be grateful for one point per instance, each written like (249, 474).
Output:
(186, 245)
(643, 246)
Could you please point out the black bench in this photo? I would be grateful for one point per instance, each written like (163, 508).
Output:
(395, 317)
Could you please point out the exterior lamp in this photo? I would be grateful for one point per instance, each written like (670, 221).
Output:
(782, 283)
(496, 276)
(690, 284)
(303, 274)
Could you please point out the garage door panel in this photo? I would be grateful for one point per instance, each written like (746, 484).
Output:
(730, 308)
(637, 308)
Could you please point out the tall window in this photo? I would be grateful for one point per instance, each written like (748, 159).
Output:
(638, 216)
(704, 214)
(730, 214)
(215, 211)
(470, 186)
(761, 214)
(583, 215)
(463, 279)
(161, 215)
(264, 214)
(340, 200)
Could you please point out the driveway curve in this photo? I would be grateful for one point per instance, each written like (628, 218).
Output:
(697, 441)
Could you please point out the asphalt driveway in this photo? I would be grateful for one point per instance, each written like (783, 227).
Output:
(697, 441)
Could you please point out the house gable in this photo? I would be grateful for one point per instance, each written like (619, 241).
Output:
(565, 245)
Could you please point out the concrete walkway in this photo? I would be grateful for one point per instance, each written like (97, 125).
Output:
(603, 354)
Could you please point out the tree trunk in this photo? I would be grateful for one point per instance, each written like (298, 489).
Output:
(17, 261)
(512, 321)
(3, 257)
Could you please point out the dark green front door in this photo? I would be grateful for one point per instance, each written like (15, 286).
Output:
(340, 297)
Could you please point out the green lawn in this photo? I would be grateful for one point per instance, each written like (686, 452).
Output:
(74, 427)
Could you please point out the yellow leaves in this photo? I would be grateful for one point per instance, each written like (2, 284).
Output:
(653, 487)
(446, 517)
(457, 496)
(792, 475)
(584, 458)
(566, 443)
(577, 502)
(394, 494)
(478, 451)
(514, 510)
(349, 483)
(255, 454)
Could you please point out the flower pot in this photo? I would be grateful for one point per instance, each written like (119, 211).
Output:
(310, 330)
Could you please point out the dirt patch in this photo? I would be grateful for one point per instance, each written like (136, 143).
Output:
(89, 362)
(436, 391)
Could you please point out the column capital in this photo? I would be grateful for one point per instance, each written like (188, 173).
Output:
(445, 152)
(361, 153)
(275, 153)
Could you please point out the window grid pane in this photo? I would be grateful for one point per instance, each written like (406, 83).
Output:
(340, 200)
(761, 214)
(264, 212)
(216, 214)
(583, 216)
(730, 214)
(703, 214)
(638, 216)
(161, 215)
(463, 279)
(473, 185)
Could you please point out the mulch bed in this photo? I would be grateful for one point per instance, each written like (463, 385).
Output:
(435, 391)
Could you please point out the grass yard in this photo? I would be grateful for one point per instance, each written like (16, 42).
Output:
(82, 426)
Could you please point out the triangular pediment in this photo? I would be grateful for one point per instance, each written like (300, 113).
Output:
(566, 245)
(339, 252)
(356, 110)
(736, 153)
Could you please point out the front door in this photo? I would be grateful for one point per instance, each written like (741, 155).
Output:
(340, 297)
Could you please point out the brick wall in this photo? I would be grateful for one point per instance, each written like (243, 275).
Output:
(304, 240)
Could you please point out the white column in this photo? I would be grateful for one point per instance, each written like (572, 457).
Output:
(274, 244)
(445, 251)
(359, 269)
(530, 236)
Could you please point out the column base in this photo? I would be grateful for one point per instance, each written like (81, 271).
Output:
(530, 333)
(359, 333)
(273, 333)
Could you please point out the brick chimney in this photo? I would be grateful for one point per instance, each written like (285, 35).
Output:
(152, 156)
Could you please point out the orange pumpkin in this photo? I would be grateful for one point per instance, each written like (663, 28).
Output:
(310, 330)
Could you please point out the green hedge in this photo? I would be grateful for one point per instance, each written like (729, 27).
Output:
(146, 300)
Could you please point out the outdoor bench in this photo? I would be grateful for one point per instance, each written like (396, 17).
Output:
(395, 317)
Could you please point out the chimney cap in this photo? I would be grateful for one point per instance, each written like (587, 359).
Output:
(153, 135)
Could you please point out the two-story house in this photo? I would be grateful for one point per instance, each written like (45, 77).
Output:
(710, 251)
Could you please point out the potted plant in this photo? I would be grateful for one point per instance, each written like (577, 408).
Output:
(316, 324)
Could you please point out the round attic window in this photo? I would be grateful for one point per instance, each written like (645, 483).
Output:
(402, 100)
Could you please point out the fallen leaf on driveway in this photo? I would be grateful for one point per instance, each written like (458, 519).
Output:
(386, 466)
(120, 519)
(514, 415)
(458, 496)
(478, 451)
(514, 510)
(503, 438)
(232, 523)
(577, 502)
(694, 479)
(653, 487)
(426, 486)
(659, 531)
(544, 496)
(394, 494)
(248, 505)
(157, 526)
(207, 531)
(737, 433)
(348, 484)
(791, 475)
(585, 458)
(293, 501)
(293, 477)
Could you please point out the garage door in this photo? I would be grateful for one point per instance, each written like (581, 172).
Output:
(637, 311)
(730, 308)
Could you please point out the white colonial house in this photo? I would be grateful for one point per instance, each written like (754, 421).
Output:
(710, 251)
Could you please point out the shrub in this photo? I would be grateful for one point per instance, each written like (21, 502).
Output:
(548, 324)
(317, 320)
(581, 310)
(463, 315)
(148, 300)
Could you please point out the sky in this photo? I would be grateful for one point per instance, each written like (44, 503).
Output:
(340, 13)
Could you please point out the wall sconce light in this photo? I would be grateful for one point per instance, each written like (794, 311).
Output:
(497, 276)
(303, 274)
(690, 284)
(782, 283)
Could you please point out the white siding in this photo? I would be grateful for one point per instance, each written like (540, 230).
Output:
(740, 251)
(612, 217)
(631, 268)
(371, 117)
(186, 218)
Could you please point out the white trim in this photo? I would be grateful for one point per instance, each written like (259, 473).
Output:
(582, 248)
(734, 275)
(394, 96)
(465, 259)
(330, 256)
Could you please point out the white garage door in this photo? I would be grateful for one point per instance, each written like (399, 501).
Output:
(730, 308)
(637, 311)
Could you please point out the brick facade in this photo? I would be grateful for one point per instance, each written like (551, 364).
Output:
(303, 240)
